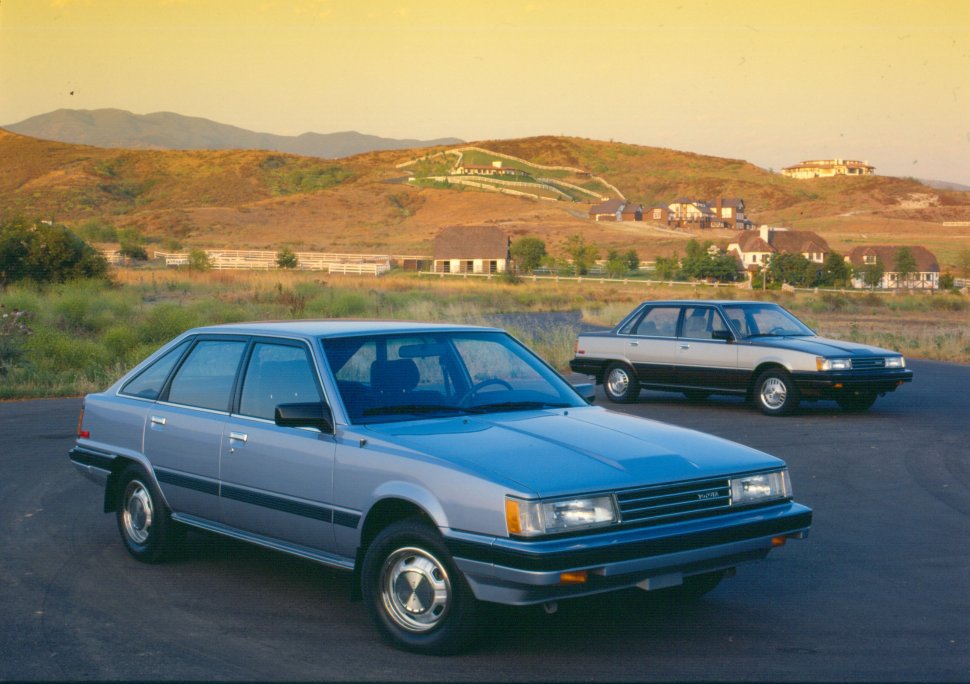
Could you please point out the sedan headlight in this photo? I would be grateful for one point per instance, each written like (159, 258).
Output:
(532, 518)
(895, 362)
(824, 364)
(760, 488)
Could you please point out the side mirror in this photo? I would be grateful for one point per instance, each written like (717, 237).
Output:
(587, 391)
(724, 335)
(315, 414)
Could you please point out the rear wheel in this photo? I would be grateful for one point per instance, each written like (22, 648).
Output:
(414, 593)
(621, 384)
(775, 393)
(144, 520)
(857, 401)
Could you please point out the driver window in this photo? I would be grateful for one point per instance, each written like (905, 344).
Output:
(659, 321)
(277, 374)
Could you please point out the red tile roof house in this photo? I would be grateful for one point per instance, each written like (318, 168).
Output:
(926, 276)
(471, 249)
(754, 249)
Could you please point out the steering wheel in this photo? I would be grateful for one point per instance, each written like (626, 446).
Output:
(474, 389)
(777, 330)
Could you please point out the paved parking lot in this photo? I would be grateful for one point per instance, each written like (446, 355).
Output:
(880, 591)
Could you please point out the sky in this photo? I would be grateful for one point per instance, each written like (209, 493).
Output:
(773, 82)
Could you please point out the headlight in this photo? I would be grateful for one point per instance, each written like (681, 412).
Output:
(824, 364)
(759, 488)
(895, 362)
(531, 518)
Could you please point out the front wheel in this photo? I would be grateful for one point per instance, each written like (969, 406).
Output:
(621, 384)
(775, 393)
(414, 593)
(144, 521)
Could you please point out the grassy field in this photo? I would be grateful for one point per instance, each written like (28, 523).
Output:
(71, 339)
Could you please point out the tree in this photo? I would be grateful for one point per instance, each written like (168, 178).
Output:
(905, 266)
(46, 253)
(666, 268)
(703, 261)
(871, 274)
(285, 258)
(528, 253)
(583, 254)
(794, 269)
(617, 266)
(632, 260)
(836, 271)
(963, 264)
(199, 260)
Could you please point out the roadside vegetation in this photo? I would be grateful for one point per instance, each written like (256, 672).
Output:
(69, 338)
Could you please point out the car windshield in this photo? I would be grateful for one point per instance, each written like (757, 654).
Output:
(765, 320)
(438, 374)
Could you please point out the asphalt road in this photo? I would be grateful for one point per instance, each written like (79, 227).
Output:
(880, 591)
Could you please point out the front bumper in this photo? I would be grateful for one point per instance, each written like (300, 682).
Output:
(517, 572)
(833, 384)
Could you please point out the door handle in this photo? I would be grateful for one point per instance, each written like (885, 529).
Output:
(685, 346)
(634, 344)
(158, 420)
(239, 436)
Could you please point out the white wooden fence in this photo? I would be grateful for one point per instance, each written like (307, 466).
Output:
(231, 259)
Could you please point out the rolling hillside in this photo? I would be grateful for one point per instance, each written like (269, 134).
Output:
(259, 199)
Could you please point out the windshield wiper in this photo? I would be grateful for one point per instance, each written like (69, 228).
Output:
(514, 406)
(413, 409)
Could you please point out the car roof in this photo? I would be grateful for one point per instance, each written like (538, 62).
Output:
(692, 302)
(334, 328)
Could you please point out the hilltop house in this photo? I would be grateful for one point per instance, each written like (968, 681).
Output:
(827, 168)
(754, 249)
(684, 212)
(495, 169)
(471, 249)
(610, 210)
(729, 213)
(925, 277)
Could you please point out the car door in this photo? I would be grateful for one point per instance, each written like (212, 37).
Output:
(277, 482)
(650, 344)
(183, 435)
(702, 360)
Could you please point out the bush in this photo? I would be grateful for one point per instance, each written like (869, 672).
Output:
(46, 254)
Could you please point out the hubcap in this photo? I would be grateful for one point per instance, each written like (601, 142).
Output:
(618, 382)
(137, 515)
(773, 393)
(415, 589)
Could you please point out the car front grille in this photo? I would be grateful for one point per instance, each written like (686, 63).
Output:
(869, 363)
(668, 503)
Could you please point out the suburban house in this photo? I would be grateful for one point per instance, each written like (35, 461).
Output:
(610, 210)
(685, 212)
(754, 249)
(925, 277)
(658, 212)
(729, 213)
(632, 212)
(827, 168)
(472, 249)
(495, 169)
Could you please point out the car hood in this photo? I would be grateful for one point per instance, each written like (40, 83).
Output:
(561, 452)
(821, 346)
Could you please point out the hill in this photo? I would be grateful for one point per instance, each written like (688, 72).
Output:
(363, 203)
(117, 128)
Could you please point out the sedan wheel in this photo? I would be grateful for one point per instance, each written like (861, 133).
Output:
(144, 521)
(413, 591)
(621, 384)
(775, 393)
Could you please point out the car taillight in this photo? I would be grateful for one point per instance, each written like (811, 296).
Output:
(81, 432)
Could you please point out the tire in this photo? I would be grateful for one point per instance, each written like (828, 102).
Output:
(857, 401)
(775, 393)
(144, 521)
(621, 384)
(414, 592)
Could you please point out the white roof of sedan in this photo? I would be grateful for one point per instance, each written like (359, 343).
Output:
(333, 327)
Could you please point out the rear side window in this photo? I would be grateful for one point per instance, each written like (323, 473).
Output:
(277, 374)
(148, 384)
(659, 321)
(206, 378)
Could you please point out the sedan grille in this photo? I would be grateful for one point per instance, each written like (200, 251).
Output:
(869, 363)
(667, 503)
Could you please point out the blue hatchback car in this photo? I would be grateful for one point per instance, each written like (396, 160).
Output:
(442, 465)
